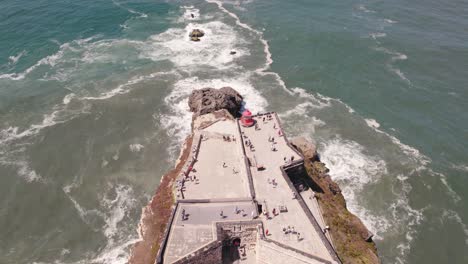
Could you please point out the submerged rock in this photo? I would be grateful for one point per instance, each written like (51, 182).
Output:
(208, 100)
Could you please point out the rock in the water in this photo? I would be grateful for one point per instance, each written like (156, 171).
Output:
(196, 34)
(208, 100)
(233, 52)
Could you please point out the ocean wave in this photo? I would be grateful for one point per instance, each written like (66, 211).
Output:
(50, 60)
(460, 167)
(132, 11)
(136, 147)
(365, 9)
(390, 21)
(372, 123)
(189, 11)
(353, 171)
(395, 56)
(214, 49)
(125, 87)
(377, 35)
(454, 216)
(12, 60)
(113, 210)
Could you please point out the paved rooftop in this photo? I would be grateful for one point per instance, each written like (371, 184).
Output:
(219, 170)
(218, 190)
(196, 229)
(274, 195)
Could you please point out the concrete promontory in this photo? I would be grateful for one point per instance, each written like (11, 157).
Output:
(246, 194)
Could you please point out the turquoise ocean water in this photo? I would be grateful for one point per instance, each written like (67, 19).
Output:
(93, 110)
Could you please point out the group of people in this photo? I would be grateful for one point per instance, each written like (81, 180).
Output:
(249, 144)
(290, 160)
(272, 182)
(291, 230)
(229, 138)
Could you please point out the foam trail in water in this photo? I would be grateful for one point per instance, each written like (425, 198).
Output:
(113, 209)
(353, 170)
(132, 11)
(266, 47)
(12, 60)
(452, 215)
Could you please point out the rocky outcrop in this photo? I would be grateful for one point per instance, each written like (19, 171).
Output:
(208, 100)
(196, 34)
(308, 149)
(352, 240)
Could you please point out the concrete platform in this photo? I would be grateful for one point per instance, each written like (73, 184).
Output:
(220, 170)
(273, 196)
(218, 191)
(197, 228)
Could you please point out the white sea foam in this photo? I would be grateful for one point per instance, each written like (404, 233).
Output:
(114, 209)
(377, 35)
(213, 50)
(452, 215)
(11, 133)
(266, 48)
(12, 60)
(460, 167)
(135, 147)
(50, 60)
(395, 56)
(390, 21)
(317, 101)
(125, 87)
(372, 123)
(365, 9)
(189, 11)
(22, 168)
(455, 197)
(354, 170)
(132, 11)
(67, 99)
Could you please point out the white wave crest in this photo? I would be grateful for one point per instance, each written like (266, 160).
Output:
(113, 210)
(372, 123)
(213, 50)
(353, 171)
(377, 35)
(12, 60)
(452, 215)
(67, 99)
(390, 21)
(136, 147)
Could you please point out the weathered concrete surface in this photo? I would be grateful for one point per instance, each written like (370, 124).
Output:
(220, 170)
(272, 196)
(273, 254)
(196, 230)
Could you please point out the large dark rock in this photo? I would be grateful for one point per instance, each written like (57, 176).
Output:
(208, 100)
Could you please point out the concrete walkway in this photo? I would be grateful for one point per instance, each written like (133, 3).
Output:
(272, 196)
